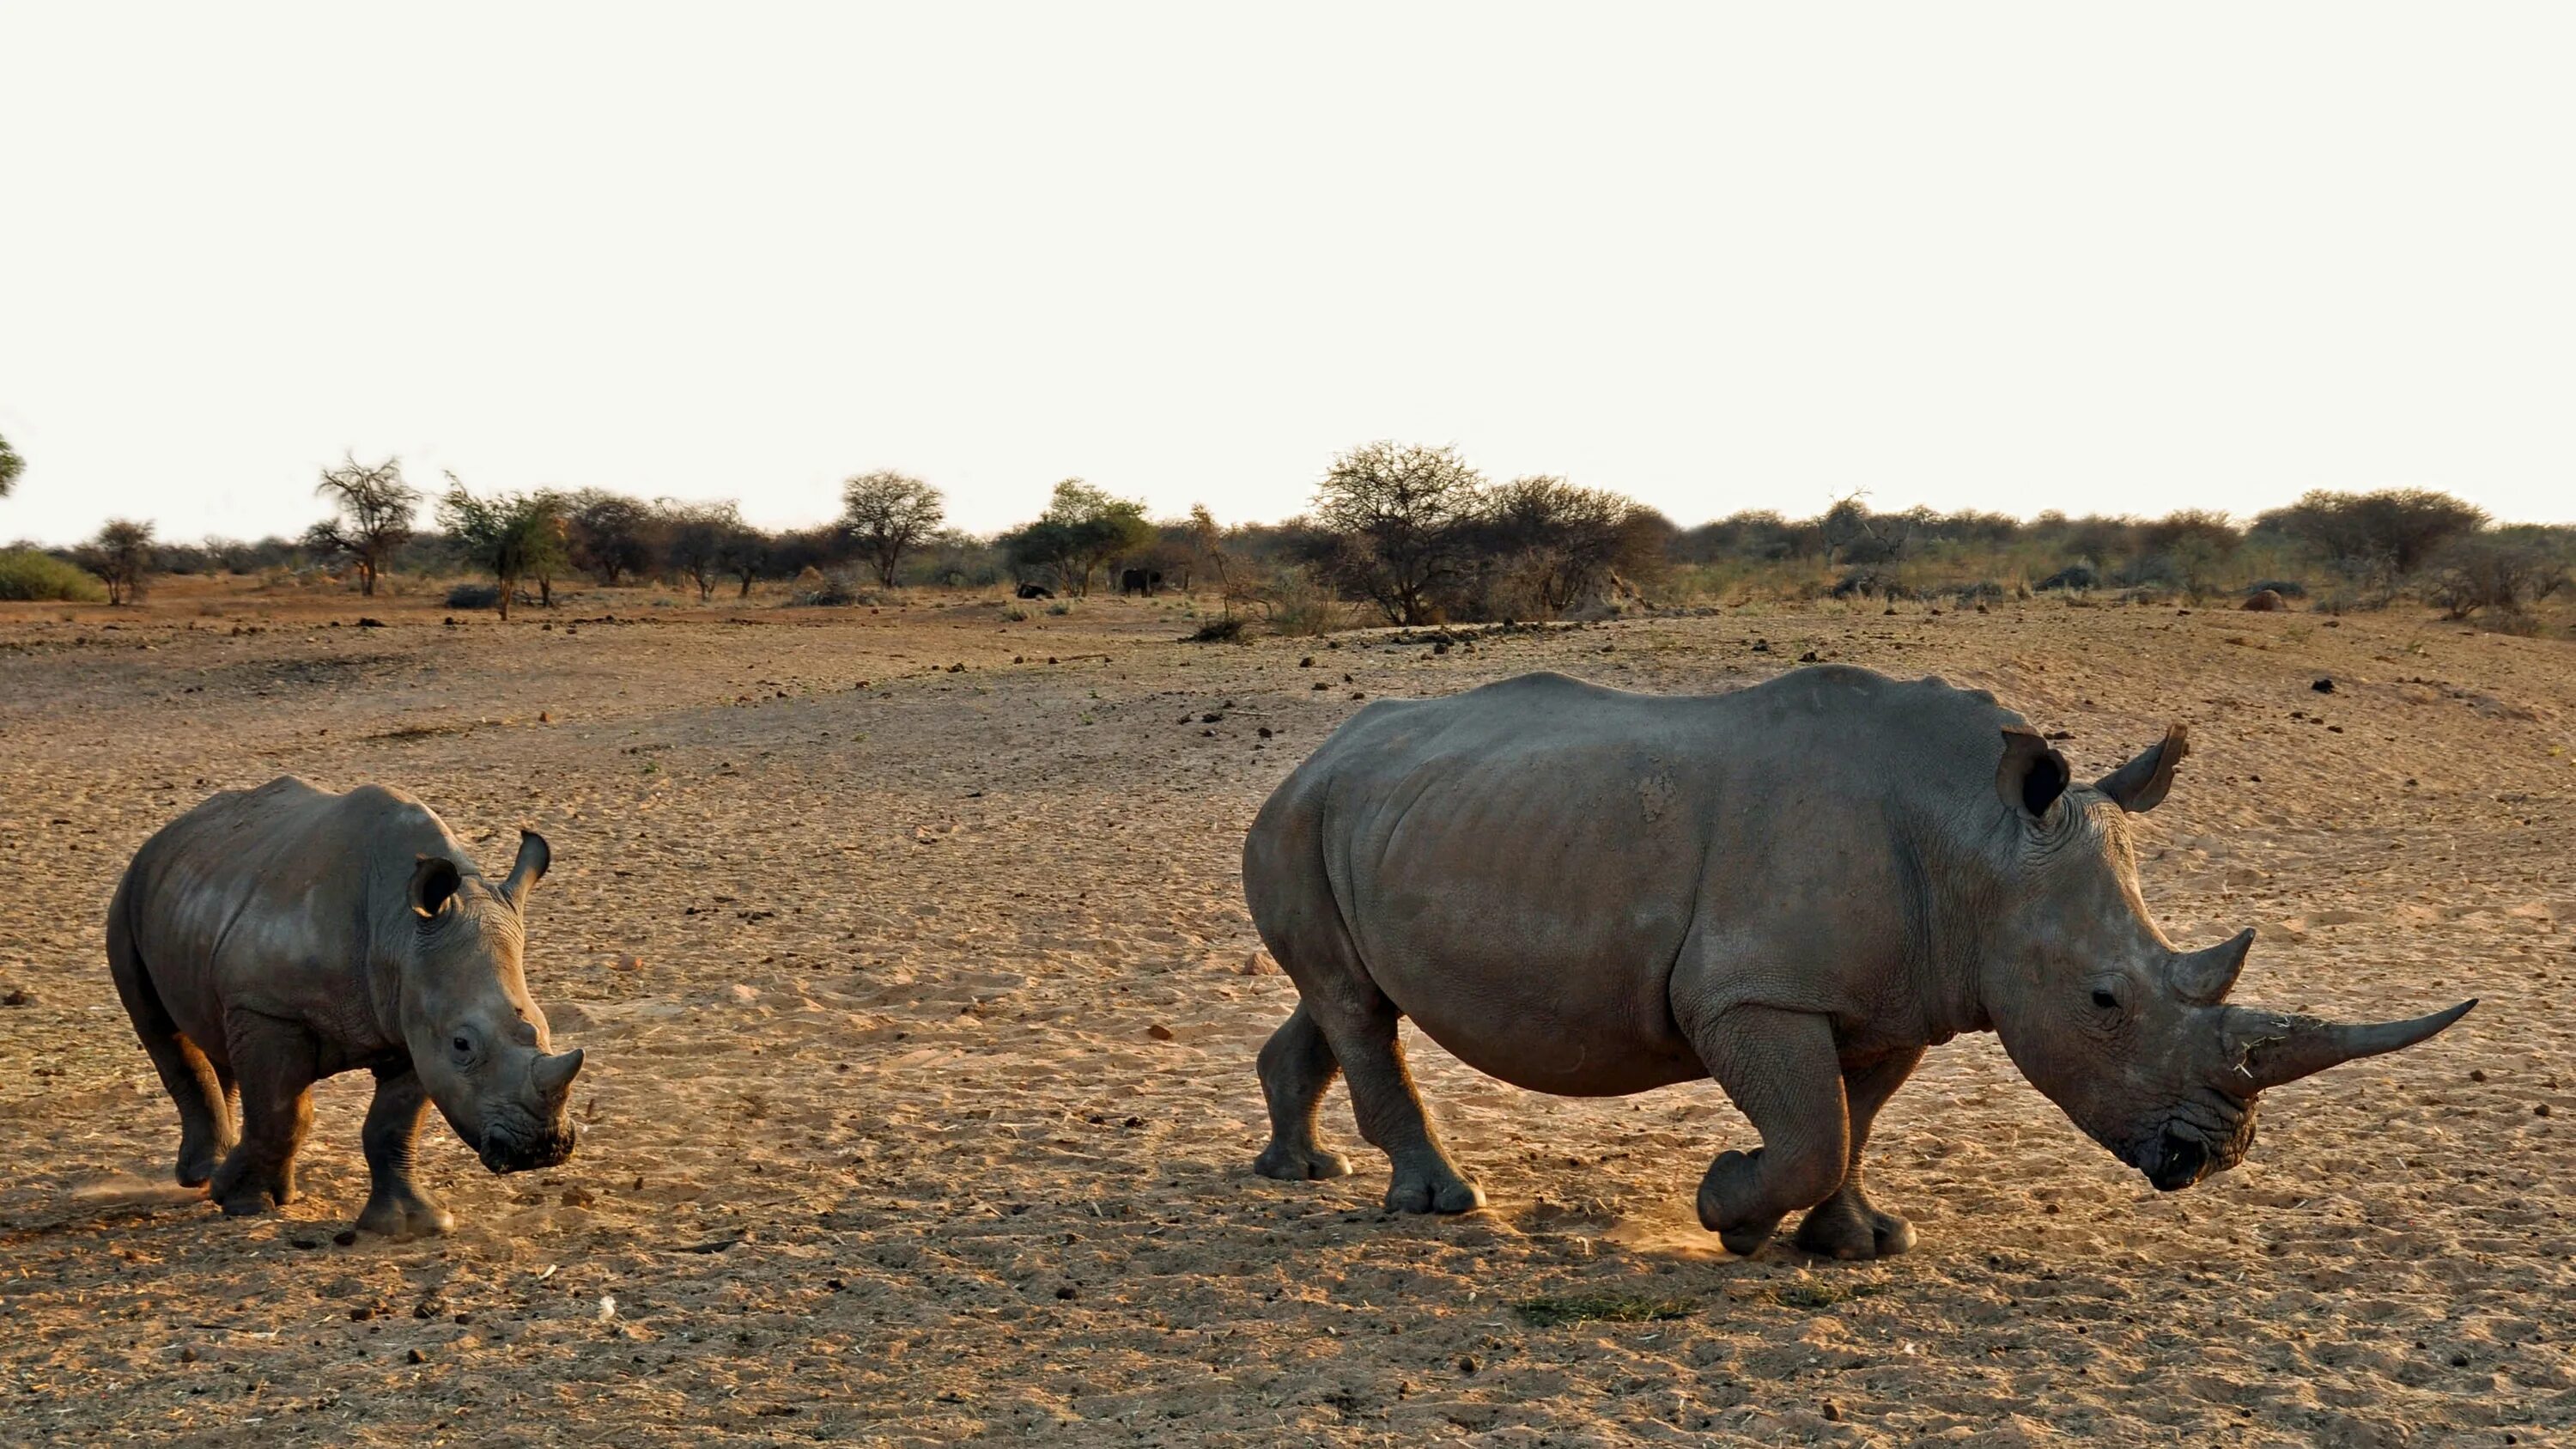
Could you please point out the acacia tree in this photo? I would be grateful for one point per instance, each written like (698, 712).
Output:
(1398, 510)
(1082, 529)
(743, 552)
(373, 516)
(609, 536)
(11, 465)
(1208, 553)
(510, 535)
(1562, 539)
(888, 513)
(120, 555)
(694, 537)
(2390, 533)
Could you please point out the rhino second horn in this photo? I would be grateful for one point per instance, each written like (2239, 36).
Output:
(2285, 1048)
(555, 1073)
(2204, 978)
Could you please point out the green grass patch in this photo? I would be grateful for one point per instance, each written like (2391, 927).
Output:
(1822, 1295)
(1556, 1311)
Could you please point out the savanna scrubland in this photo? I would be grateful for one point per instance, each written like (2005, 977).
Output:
(906, 944)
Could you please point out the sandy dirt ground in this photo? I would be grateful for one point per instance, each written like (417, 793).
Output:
(921, 1006)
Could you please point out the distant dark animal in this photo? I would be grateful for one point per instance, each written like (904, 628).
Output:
(2265, 602)
(1793, 888)
(1035, 591)
(2073, 576)
(1140, 581)
(273, 937)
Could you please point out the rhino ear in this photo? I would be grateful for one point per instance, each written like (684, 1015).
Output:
(2141, 783)
(534, 856)
(2032, 775)
(434, 882)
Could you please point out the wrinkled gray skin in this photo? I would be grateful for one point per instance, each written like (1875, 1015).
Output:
(1794, 888)
(273, 937)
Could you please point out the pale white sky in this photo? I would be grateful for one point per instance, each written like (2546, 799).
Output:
(2003, 256)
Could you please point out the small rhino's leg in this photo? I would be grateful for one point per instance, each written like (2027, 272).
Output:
(1297, 1066)
(1780, 1069)
(1363, 1039)
(1846, 1225)
(202, 1097)
(274, 1062)
(396, 1206)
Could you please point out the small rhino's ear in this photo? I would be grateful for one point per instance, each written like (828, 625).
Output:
(2141, 783)
(2033, 775)
(534, 856)
(434, 882)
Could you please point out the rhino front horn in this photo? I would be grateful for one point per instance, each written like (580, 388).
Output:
(555, 1073)
(2285, 1048)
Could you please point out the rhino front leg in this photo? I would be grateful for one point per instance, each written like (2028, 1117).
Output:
(396, 1206)
(1781, 1071)
(1846, 1225)
(1296, 1066)
(274, 1063)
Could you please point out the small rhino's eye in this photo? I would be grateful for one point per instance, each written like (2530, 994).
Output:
(2105, 1000)
(463, 1046)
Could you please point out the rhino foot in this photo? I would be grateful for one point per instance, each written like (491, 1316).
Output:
(1846, 1227)
(1436, 1190)
(198, 1159)
(1300, 1164)
(1729, 1203)
(407, 1215)
(245, 1190)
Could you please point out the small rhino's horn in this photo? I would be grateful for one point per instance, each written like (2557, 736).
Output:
(554, 1074)
(2280, 1049)
(2204, 978)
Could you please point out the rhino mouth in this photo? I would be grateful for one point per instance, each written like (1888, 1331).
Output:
(2174, 1162)
(505, 1151)
(2203, 1137)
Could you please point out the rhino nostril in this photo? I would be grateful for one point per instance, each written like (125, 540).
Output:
(2179, 1161)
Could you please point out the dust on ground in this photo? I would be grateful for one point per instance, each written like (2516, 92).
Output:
(921, 1003)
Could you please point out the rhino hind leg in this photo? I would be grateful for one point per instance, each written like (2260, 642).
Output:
(195, 1085)
(1846, 1225)
(274, 1064)
(1297, 1065)
(1779, 1068)
(396, 1206)
(1361, 1035)
(1392, 1118)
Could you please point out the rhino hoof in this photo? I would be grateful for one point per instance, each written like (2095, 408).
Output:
(1853, 1234)
(198, 1161)
(419, 1218)
(1295, 1164)
(1454, 1195)
(247, 1202)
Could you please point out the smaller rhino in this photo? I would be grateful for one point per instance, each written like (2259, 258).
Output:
(273, 937)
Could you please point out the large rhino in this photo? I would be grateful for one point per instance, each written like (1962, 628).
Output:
(1793, 888)
(273, 937)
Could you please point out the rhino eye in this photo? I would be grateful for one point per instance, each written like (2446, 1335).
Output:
(2105, 1000)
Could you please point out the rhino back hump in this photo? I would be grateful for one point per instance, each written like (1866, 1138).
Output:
(272, 899)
